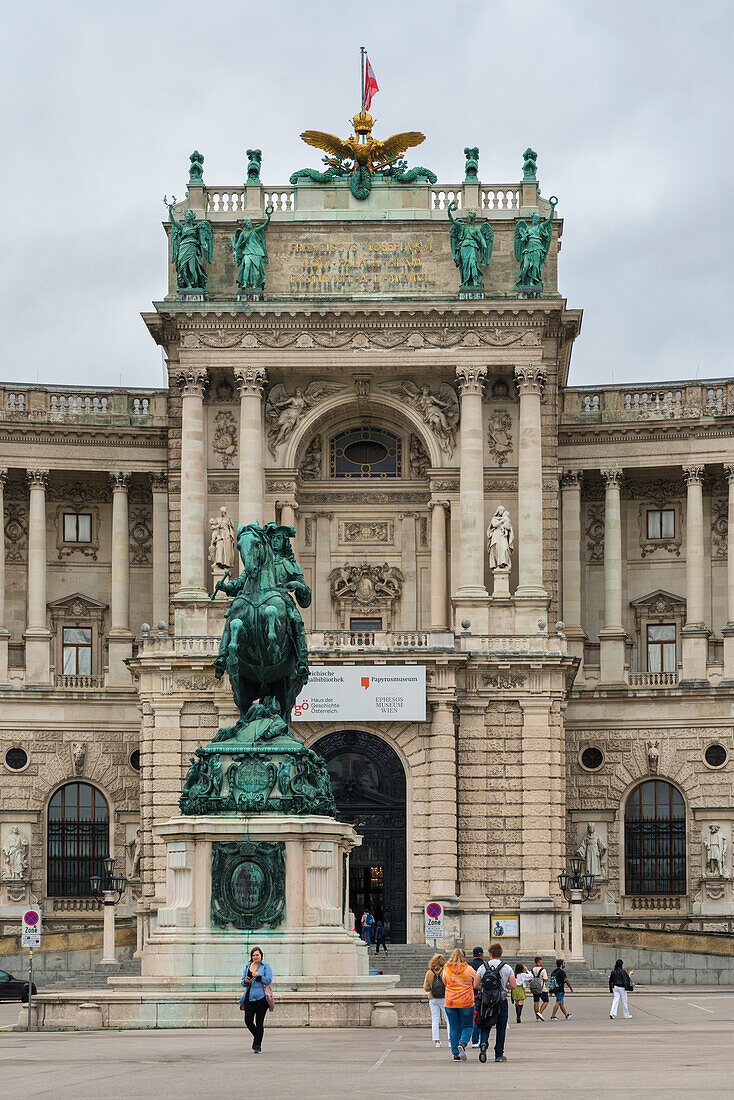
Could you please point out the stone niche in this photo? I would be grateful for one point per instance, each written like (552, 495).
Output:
(15, 867)
(601, 902)
(715, 893)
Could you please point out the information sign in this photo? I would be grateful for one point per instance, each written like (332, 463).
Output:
(434, 920)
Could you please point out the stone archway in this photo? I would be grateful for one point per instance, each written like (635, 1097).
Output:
(369, 786)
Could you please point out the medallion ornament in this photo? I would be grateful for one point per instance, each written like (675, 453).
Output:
(248, 885)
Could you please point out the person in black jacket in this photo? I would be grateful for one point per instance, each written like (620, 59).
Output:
(619, 986)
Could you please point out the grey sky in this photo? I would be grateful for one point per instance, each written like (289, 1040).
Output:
(628, 105)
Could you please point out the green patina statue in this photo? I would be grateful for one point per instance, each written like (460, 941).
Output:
(471, 169)
(532, 243)
(529, 164)
(192, 242)
(250, 252)
(471, 246)
(196, 168)
(254, 163)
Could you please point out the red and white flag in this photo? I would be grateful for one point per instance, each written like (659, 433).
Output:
(370, 84)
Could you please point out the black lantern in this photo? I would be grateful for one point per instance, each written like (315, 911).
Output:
(575, 882)
(109, 882)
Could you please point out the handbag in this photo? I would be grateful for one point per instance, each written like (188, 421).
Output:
(268, 991)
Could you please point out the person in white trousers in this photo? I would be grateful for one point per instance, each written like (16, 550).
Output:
(434, 987)
(619, 986)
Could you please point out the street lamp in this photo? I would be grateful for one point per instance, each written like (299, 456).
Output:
(109, 888)
(576, 889)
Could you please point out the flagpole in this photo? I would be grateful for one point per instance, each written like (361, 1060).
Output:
(362, 51)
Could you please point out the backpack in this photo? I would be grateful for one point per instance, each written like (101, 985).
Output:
(438, 989)
(535, 985)
(553, 983)
(491, 994)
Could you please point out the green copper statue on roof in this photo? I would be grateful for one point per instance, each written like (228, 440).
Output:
(532, 243)
(192, 241)
(250, 252)
(471, 247)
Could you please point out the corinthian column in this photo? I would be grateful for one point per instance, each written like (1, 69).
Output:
(159, 487)
(471, 484)
(120, 638)
(694, 633)
(250, 382)
(571, 560)
(4, 634)
(612, 636)
(193, 484)
(530, 381)
(728, 630)
(37, 634)
(439, 602)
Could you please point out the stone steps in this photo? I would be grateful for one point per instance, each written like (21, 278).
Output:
(97, 978)
(411, 961)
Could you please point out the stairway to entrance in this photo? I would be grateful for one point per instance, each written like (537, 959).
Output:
(410, 961)
(96, 978)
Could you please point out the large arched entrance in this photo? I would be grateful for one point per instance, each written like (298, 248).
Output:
(369, 789)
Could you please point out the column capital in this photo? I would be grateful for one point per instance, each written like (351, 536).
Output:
(446, 504)
(119, 481)
(158, 483)
(693, 474)
(728, 470)
(192, 380)
(612, 475)
(250, 381)
(471, 378)
(530, 379)
(571, 479)
(3, 475)
(37, 479)
(289, 502)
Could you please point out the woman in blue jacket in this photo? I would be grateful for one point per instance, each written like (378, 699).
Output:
(256, 976)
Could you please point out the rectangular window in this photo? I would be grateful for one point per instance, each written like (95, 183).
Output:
(661, 523)
(77, 527)
(77, 651)
(661, 647)
(365, 624)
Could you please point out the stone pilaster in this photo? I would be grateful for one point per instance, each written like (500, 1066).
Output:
(159, 488)
(471, 598)
(530, 381)
(728, 630)
(321, 590)
(694, 634)
(442, 840)
(542, 823)
(612, 636)
(251, 382)
(472, 764)
(37, 635)
(571, 561)
(4, 632)
(119, 638)
(190, 618)
(439, 594)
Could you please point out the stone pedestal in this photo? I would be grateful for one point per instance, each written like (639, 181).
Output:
(15, 897)
(501, 589)
(235, 881)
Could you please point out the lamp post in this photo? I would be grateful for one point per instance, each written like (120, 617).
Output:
(109, 887)
(576, 889)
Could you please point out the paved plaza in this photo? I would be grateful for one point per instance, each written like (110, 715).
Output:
(682, 1042)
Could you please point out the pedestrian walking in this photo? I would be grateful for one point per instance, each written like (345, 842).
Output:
(477, 958)
(538, 986)
(380, 935)
(493, 979)
(620, 985)
(258, 996)
(458, 979)
(558, 985)
(367, 924)
(436, 990)
(519, 993)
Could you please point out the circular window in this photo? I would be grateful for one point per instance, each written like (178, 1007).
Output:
(16, 759)
(135, 760)
(592, 758)
(716, 756)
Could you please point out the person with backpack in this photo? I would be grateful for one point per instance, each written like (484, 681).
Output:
(459, 981)
(619, 986)
(436, 990)
(493, 979)
(367, 922)
(557, 986)
(477, 958)
(519, 994)
(538, 986)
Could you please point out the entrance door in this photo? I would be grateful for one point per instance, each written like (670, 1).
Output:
(369, 789)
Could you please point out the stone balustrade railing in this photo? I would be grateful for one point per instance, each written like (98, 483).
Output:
(658, 401)
(652, 679)
(379, 639)
(79, 683)
(77, 404)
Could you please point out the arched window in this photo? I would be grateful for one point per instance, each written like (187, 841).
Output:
(78, 839)
(655, 839)
(365, 452)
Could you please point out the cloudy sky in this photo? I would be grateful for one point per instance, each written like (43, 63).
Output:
(628, 104)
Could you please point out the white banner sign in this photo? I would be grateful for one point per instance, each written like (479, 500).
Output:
(363, 693)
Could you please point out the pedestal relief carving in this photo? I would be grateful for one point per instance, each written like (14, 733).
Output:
(224, 443)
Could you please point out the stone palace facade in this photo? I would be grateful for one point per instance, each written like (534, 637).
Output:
(387, 418)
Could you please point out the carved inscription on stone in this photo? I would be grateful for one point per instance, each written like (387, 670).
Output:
(334, 267)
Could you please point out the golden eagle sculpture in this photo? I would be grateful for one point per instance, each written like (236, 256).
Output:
(361, 156)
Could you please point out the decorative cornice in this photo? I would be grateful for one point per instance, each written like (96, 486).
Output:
(250, 381)
(471, 378)
(530, 379)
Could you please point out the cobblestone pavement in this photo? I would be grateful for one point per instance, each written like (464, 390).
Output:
(679, 1043)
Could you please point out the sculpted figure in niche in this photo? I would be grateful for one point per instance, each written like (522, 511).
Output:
(133, 851)
(311, 465)
(222, 544)
(714, 847)
(501, 540)
(592, 850)
(419, 460)
(15, 854)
